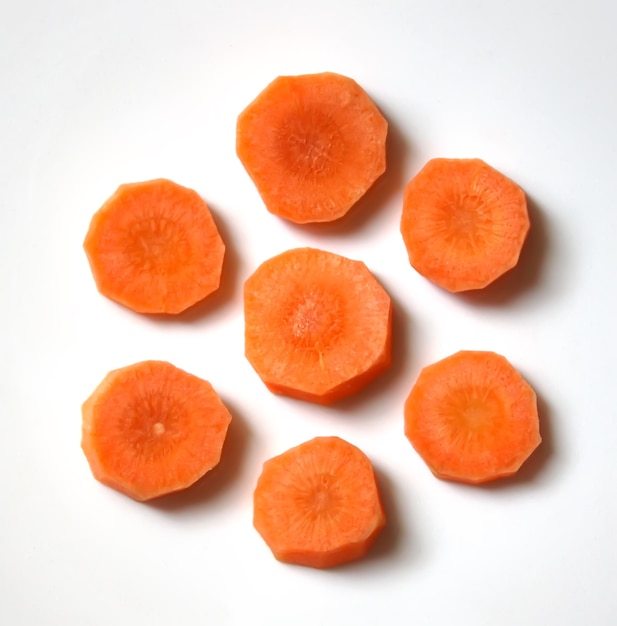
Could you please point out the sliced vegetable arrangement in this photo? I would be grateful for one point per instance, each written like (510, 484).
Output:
(318, 326)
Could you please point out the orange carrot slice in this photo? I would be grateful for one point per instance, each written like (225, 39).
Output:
(150, 429)
(317, 325)
(313, 145)
(472, 417)
(318, 504)
(463, 223)
(154, 247)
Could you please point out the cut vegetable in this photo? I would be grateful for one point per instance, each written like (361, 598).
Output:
(472, 417)
(317, 325)
(150, 429)
(313, 145)
(154, 247)
(318, 504)
(463, 224)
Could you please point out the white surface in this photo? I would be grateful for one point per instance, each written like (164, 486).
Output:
(99, 93)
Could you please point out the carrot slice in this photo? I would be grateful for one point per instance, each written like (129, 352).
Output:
(313, 145)
(151, 428)
(317, 325)
(318, 504)
(463, 223)
(154, 247)
(472, 417)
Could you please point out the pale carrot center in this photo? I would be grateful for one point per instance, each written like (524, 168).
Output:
(310, 144)
(322, 497)
(157, 244)
(318, 501)
(151, 424)
(469, 219)
(478, 411)
(314, 319)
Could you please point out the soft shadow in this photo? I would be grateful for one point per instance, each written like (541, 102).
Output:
(226, 291)
(382, 385)
(218, 480)
(387, 546)
(388, 186)
(389, 540)
(528, 272)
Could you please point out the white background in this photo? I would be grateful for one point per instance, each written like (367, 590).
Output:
(94, 94)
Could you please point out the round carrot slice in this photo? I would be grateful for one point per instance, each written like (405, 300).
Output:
(313, 145)
(154, 247)
(150, 429)
(317, 325)
(472, 417)
(318, 504)
(463, 223)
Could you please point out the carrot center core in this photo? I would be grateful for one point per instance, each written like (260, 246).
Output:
(469, 219)
(314, 319)
(322, 496)
(481, 411)
(152, 424)
(157, 244)
(310, 144)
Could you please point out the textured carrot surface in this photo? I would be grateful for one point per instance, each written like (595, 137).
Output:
(154, 247)
(318, 504)
(313, 145)
(463, 223)
(150, 428)
(472, 417)
(317, 325)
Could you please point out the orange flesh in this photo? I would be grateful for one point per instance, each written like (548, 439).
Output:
(317, 325)
(318, 504)
(472, 417)
(313, 145)
(151, 428)
(154, 247)
(463, 223)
